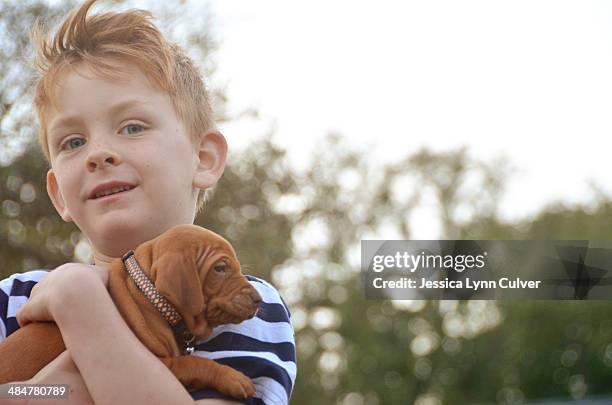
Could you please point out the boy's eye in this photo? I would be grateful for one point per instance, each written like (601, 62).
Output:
(132, 129)
(73, 143)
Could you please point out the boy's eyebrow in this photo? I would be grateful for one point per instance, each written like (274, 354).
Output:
(123, 105)
(114, 109)
(65, 121)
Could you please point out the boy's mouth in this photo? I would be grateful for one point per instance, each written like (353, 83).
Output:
(110, 189)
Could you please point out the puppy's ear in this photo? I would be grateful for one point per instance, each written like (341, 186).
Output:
(176, 278)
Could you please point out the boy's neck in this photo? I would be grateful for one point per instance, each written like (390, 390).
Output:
(100, 259)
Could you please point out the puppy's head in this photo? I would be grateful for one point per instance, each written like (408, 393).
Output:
(199, 273)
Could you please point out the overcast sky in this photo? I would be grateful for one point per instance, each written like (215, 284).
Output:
(528, 79)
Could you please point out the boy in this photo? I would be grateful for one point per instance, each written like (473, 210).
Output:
(124, 112)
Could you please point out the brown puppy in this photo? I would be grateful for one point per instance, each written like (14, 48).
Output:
(197, 271)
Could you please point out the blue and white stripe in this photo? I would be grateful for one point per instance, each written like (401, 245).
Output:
(14, 292)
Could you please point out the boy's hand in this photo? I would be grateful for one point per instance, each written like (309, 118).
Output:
(59, 287)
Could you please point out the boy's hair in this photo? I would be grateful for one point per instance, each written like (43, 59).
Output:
(101, 39)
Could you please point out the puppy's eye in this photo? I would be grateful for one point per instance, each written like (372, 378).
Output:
(220, 268)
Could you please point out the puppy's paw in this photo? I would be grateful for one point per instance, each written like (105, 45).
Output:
(236, 384)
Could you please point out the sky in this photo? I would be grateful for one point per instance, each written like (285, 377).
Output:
(529, 80)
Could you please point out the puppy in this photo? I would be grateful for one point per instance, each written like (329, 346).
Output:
(199, 275)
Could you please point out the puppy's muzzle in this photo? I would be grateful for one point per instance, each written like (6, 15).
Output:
(247, 301)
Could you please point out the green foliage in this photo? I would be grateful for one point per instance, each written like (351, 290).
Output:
(32, 235)
(242, 208)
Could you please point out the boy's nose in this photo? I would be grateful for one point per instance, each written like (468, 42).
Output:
(101, 157)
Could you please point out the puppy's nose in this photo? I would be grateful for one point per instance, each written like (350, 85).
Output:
(255, 297)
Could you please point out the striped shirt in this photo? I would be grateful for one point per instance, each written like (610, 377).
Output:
(263, 347)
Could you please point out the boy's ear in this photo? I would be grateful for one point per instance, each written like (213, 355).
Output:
(56, 196)
(212, 153)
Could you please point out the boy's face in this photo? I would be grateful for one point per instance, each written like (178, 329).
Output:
(123, 131)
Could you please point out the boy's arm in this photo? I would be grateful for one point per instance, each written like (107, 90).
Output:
(62, 370)
(115, 365)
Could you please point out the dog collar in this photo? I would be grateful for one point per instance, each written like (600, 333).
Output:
(183, 336)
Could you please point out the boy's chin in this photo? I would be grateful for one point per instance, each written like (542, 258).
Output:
(117, 230)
